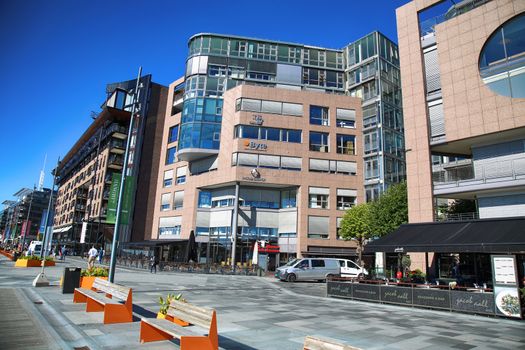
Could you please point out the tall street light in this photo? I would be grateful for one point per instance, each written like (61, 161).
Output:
(27, 226)
(116, 231)
(41, 280)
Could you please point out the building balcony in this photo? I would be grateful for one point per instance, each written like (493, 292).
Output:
(457, 217)
(115, 162)
(117, 131)
(117, 146)
(480, 176)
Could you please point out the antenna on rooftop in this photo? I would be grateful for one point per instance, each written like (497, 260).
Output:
(42, 175)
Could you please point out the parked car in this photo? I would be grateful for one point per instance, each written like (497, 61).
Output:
(309, 269)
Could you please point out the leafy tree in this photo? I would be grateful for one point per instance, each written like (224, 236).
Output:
(356, 225)
(390, 211)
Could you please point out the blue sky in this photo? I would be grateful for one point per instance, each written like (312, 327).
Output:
(56, 57)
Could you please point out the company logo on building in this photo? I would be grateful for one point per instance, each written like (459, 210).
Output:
(257, 119)
(255, 176)
(255, 146)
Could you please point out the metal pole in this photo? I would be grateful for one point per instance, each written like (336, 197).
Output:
(41, 280)
(116, 230)
(234, 223)
(27, 218)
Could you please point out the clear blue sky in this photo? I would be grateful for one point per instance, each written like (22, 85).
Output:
(56, 57)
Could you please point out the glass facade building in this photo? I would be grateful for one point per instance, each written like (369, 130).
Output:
(367, 68)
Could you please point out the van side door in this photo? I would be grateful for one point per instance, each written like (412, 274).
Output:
(318, 269)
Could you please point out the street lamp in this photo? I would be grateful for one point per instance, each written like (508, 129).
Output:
(116, 230)
(27, 219)
(41, 280)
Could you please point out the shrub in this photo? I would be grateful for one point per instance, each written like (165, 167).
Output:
(95, 272)
(165, 303)
(30, 257)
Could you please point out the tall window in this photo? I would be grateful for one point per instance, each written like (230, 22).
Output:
(319, 115)
(346, 144)
(170, 155)
(174, 133)
(319, 141)
(165, 200)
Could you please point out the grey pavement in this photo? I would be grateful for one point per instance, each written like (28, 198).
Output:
(252, 313)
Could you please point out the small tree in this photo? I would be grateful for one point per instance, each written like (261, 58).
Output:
(356, 225)
(390, 210)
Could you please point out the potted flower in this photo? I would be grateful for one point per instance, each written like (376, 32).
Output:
(87, 277)
(165, 304)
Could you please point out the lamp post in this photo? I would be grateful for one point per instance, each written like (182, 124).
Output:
(116, 230)
(27, 219)
(41, 280)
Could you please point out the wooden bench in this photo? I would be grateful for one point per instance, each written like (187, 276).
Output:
(200, 334)
(115, 300)
(312, 343)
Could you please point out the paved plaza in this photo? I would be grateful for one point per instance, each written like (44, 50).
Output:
(252, 313)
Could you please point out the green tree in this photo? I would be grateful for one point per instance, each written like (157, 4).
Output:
(389, 211)
(356, 225)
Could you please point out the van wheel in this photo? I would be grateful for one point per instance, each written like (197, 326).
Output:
(292, 277)
(360, 276)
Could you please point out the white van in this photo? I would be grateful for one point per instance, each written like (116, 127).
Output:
(35, 247)
(351, 269)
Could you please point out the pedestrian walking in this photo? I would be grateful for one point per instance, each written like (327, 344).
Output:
(63, 251)
(100, 255)
(92, 256)
(154, 261)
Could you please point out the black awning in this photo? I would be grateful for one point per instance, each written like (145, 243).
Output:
(477, 236)
(152, 243)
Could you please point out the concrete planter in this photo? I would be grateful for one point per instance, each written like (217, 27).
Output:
(32, 263)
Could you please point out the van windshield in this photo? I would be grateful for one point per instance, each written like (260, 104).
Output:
(292, 262)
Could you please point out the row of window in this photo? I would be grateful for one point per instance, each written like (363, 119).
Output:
(266, 161)
(319, 198)
(319, 142)
(270, 134)
(180, 178)
(266, 51)
(288, 199)
(166, 202)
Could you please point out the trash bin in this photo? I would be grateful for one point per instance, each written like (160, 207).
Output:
(70, 279)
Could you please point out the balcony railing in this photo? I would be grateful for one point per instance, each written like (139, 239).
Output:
(456, 217)
(481, 173)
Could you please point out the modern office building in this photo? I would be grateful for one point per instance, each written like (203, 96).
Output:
(289, 118)
(372, 74)
(463, 85)
(287, 168)
(88, 177)
(23, 216)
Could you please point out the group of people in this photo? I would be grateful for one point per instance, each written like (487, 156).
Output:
(93, 254)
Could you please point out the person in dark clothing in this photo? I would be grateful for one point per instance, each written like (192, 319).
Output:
(154, 261)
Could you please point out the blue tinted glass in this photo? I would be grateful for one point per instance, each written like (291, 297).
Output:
(273, 134)
(170, 156)
(517, 83)
(204, 199)
(250, 132)
(316, 115)
(500, 86)
(294, 136)
(514, 32)
(174, 132)
(493, 50)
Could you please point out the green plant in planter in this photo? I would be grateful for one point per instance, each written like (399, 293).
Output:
(30, 257)
(165, 303)
(95, 272)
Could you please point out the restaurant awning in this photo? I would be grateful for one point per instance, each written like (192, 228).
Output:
(506, 235)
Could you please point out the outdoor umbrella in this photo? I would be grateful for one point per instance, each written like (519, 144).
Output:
(255, 257)
(191, 253)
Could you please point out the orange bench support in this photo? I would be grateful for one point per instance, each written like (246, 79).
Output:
(113, 312)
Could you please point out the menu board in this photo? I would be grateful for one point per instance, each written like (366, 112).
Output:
(504, 270)
(506, 293)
